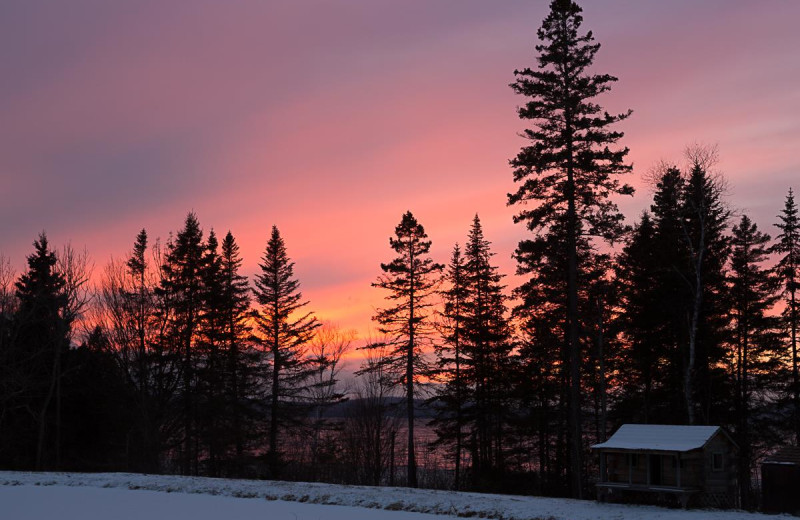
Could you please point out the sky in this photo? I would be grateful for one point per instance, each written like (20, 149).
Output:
(330, 119)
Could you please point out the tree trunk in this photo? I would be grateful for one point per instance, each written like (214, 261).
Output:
(795, 377)
(694, 324)
(602, 376)
(412, 461)
(573, 348)
(457, 476)
(54, 376)
(273, 421)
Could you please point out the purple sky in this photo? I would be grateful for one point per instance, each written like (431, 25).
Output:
(330, 119)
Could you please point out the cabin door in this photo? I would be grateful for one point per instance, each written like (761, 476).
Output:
(655, 470)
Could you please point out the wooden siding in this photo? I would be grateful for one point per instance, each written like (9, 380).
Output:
(722, 480)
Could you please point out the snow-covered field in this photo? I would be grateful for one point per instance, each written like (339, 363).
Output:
(122, 496)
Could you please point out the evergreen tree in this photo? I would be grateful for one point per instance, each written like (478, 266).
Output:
(42, 341)
(409, 278)
(486, 348)
(181, 287)
(705, 219)
(212, 406)
(673, 296)
(544, 358)
(644, 324)
(753, 293)
(569, 169)
(130, 302)
(241, 383)
(601, 325)
(283, 329)
(453, 391)
(137, 267)
(788, 270)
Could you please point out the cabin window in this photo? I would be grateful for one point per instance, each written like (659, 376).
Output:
(717, 461)
(634, 460)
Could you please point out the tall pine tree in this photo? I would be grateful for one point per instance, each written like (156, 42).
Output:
(487, 345)
(788, 270)
(241, 378)
(181, 286)
(753, 293)
(569, 169)
(453, 391)
(41, 343)
(704, 221)
(411, 280)
(283, 330)
(643, 321)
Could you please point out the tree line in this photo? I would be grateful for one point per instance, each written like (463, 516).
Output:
(178, 363)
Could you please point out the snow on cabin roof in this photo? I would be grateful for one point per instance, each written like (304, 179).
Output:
(789, 455)
(659, 437)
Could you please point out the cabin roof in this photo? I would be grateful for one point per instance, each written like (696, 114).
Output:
(786, 455)
(659, 437)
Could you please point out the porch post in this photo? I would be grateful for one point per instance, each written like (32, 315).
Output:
(603, 466)
(647, 468)
(678, 457)
(630, 468)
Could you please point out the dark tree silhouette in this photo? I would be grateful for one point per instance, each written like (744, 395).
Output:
(181, 285)
(240, 371)
(453, 390)
(673, 294)
(411, 280)
(283, 330)
(753, 293)
(210, 346)
(643, 320)
(788, 269)
(704, 219)
(569, 169)
(131, 318)
(487, 346)
(41, 343)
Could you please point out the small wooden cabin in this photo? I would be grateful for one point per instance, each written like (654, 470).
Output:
(780, 481)
(696, 463)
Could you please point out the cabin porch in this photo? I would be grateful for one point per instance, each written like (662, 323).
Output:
(664, 473)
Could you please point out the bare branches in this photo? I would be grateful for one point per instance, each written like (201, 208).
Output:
(7, 277)
(76, 268)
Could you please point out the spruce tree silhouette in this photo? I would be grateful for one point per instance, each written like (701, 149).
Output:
(569, 169)
(283, 329)
(788, 269)
(753, 291)
(411, 279)
(42, 342)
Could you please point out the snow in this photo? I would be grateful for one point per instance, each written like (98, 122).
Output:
(37, 503)
(659, 437)
(122, 496)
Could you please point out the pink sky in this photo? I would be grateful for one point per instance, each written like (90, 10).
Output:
(330, 119)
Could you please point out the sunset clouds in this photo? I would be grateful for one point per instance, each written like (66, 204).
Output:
(330, 119)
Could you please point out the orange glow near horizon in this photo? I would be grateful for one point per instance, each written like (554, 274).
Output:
(331, 121)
